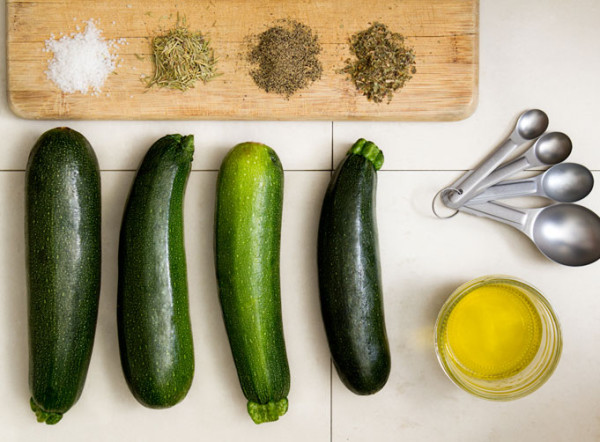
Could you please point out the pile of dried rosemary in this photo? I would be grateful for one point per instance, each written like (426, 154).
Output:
(382, 65)
(181, 58)
(285, 58)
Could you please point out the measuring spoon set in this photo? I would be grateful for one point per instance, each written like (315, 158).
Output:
(564, 232)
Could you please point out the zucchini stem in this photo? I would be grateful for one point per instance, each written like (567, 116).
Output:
(269, 412)
(369, 150)
(187, 143)
(48, 417)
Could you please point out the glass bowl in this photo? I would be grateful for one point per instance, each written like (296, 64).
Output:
(497, 337)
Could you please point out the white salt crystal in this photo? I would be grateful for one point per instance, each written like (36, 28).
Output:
(81, 61)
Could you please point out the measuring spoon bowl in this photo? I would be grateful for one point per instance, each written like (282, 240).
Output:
(550, 148)
(568, 234)
(567, 182)
(531, 124)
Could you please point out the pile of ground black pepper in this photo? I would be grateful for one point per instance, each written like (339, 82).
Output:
(285, 58)
(382, 65)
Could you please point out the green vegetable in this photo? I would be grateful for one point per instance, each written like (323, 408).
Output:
(247, 238)
(155, 336)
(349, 272)
(62, 235)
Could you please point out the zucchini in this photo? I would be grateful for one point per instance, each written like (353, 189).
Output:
(62, 236)
(349, 272)
(155, 336)
(247, 241)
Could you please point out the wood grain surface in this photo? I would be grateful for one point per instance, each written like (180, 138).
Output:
(443, 33)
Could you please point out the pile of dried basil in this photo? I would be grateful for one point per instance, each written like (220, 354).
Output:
(383, 64)
(285, 58)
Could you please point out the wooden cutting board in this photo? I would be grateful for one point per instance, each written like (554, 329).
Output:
(443, 33)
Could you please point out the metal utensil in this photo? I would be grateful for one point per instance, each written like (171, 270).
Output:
(551, 148)
(530, 125)
(564, 183)
(568, 234)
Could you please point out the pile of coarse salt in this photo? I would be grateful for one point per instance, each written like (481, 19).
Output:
(81, 61)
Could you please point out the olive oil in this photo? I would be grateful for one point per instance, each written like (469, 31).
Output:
(492, 332)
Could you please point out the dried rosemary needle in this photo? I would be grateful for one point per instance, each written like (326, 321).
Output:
(181, 58)
(382, 65)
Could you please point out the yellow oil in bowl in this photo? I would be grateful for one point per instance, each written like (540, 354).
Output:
(497, 337)
(493, 332)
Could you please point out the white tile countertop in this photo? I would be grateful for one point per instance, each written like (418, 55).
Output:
(533, 53)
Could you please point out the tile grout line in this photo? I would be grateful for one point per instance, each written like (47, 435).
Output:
(330, 360)
(293, 170)
(193, 171)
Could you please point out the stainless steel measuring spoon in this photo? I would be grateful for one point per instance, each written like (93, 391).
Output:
(551, 148)
(564, 183)
(530, 125)
(568, 234)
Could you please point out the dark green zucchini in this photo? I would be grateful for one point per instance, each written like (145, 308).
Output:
(155, 336)
(247, 240)
(62, 235)
(349, 272)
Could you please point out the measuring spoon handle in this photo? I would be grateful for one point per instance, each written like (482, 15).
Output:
(507, 189)
(512, 216)
(465, 187)
(503, 172)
